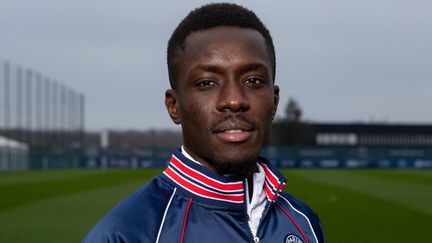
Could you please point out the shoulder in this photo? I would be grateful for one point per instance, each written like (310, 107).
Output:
(135, 219)
(305, 212)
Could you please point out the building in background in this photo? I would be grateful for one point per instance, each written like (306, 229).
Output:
(356, 134)
(132, 148)
(334, 145)
(13, 155)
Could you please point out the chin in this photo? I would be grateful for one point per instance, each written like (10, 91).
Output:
(235, 163)
(236, 168)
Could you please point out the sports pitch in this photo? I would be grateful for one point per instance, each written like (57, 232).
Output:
(354, 205)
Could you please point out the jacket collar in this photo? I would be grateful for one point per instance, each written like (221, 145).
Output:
(204, 184)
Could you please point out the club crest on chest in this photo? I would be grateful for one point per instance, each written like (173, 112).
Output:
(292, 239)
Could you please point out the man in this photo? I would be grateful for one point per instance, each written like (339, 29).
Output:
(221, 63)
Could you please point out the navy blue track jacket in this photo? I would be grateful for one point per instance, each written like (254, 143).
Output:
(189, 203)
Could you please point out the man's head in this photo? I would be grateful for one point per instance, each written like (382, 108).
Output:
(214, 15)
(222, 72)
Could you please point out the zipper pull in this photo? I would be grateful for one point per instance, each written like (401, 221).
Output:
(256, 239)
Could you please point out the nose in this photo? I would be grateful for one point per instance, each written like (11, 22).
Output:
(232, 98)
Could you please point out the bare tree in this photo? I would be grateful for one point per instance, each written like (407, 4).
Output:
(291, 130)
(293, 112)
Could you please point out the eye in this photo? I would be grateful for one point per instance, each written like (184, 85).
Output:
(205, 83)
(254, 82)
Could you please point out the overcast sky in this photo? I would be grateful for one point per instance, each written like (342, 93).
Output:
(342, 60)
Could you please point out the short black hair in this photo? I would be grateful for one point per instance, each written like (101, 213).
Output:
(213, 15)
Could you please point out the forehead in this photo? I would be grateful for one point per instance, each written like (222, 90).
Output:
(230, 44)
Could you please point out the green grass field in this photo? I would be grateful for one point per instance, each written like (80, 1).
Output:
(354, 205)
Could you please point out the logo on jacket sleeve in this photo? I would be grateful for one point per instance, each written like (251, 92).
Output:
(293, 239)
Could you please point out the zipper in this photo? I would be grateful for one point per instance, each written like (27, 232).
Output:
(268, 209)
(254, 236)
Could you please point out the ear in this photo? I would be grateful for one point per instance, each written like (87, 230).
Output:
(275, 99)
(172, 105)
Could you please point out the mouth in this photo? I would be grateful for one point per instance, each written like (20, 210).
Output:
(234, 129)
(234, 135)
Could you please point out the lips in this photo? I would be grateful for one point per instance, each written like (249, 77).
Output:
(234, 132)
(234, 136)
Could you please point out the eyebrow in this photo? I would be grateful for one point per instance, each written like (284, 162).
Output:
(209, 68)
(216, 69)
(253, 67)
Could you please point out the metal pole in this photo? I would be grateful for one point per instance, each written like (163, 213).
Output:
(67, 117)
(54, 112)
(70, 117)
(47, 123)
(19, 103)
(62, 115)
(29, 99)
(6, 97)
(82, 111)
(39, 136)
(77, 118)
(7, 158)
(82, 121)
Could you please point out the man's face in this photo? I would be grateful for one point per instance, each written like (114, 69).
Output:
(225, 99)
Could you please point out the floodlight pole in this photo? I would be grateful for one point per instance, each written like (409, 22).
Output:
(29, 104)
(6, 76)
(19, 104)
(39, 135)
